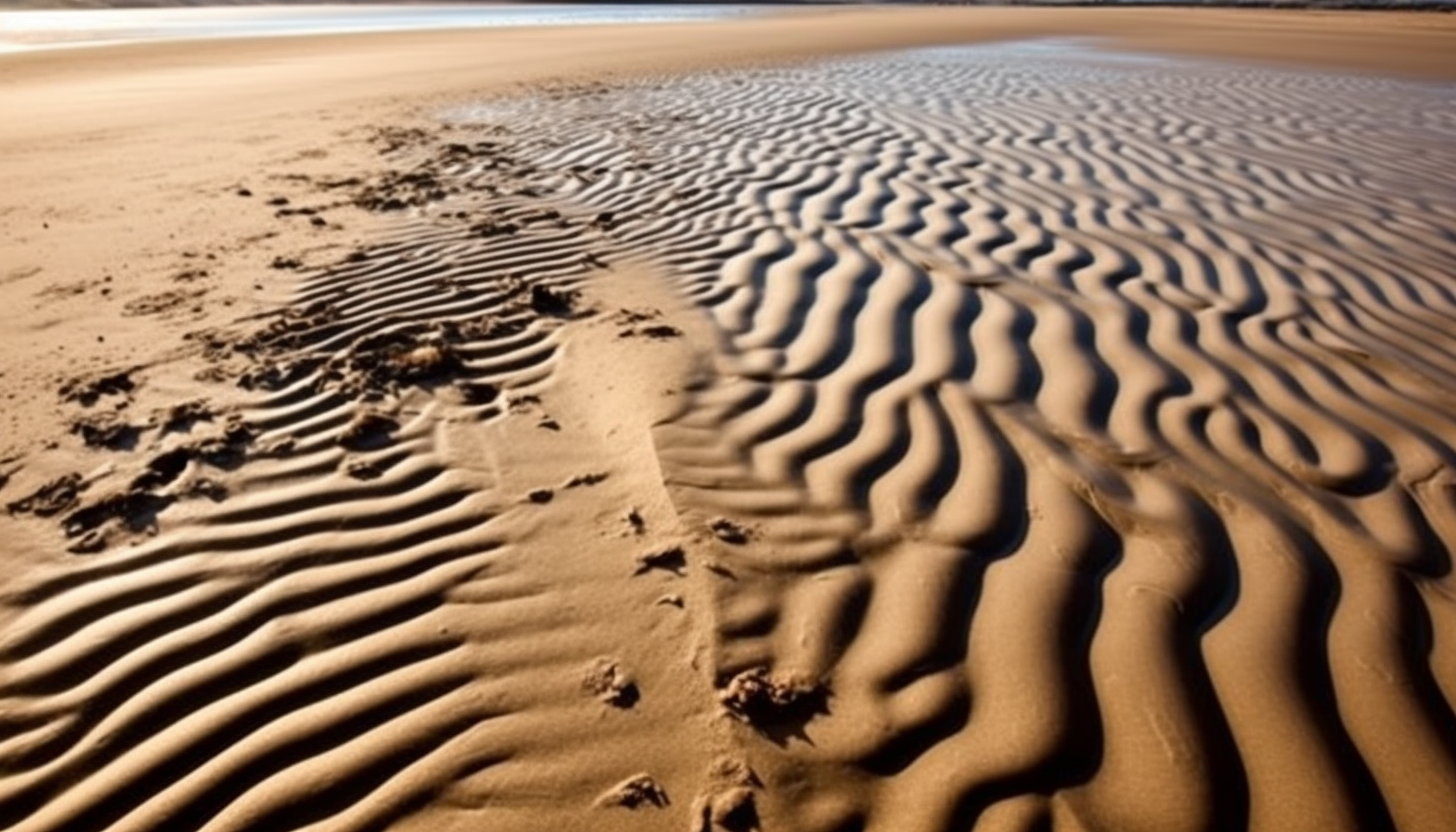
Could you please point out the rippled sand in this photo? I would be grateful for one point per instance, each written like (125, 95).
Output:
(1095, 412)
(997, 437)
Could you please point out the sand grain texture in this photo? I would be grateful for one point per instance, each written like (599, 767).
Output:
(1096, 372)
(1010, 437)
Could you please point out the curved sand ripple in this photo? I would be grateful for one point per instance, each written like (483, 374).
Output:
(331, 649)
(1095, 416)
(1091, 419)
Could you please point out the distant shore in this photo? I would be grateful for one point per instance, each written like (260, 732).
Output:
(1440, 6)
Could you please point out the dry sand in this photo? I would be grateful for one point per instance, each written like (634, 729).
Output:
(1013, 437)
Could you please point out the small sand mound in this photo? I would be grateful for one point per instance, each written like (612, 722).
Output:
(763, 698)
(637, 790)
(729, 802)
(368, 430)
(606, 680)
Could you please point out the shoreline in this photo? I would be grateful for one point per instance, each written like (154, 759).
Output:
(130, 82)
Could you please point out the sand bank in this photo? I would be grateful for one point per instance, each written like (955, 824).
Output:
(996, 439)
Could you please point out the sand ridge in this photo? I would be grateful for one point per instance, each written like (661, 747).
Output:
(863, 445)
(374, 611)
(1009, 334)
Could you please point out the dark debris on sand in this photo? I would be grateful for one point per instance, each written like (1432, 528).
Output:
(728, 531)
(287, 348)
(672, 559)
(293, 327)
(52, 498)
(382, 364)
(397, 190)
(584, 480)
(158, 484)
(636, 521)
(136, 510)
(549, 301)
(106, 430)
(638, 322)
(87, 391)
(182, 418)
(771, 701)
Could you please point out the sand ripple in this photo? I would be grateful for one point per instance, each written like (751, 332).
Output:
(336, 645)
(1081, 429)
(1095, 417)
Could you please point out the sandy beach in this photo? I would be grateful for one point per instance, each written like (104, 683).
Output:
(833, 419)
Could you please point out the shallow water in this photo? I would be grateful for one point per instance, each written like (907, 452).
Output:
(24, 30)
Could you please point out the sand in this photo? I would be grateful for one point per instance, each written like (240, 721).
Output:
(648, 429)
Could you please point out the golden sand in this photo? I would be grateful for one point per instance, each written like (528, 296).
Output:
(653, 428)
